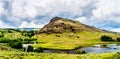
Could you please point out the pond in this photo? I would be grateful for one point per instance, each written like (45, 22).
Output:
(91, 49)
(102, 48)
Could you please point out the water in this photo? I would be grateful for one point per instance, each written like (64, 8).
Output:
(91, 49)
(102, 48)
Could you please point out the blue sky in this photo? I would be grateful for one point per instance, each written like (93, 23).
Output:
(104, 14)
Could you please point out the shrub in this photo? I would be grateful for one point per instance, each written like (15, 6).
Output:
(118, 39)
(27, 39)
(1, 35)
(30, 39)
(77, 36)
(57, 35)
(80, 52)
(72, 29)
(106, 38)
(117, 55)
(16, 45)
(39, 50)
(30, 49)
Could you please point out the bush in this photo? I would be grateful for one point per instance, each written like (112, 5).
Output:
(80, 52)
(16, 45)
(118, 39)
(1, 35)
(72, 29)
(106, 38)
(30, 39)
(57, 35)
(30, 49)
(4, 40)
(117, 55)
(39, 50)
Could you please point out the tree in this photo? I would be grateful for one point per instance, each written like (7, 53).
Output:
(30, 49)
(106, 38)
(16, 45)
(118, 39)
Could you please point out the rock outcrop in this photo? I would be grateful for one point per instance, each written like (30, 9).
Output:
(61, 25)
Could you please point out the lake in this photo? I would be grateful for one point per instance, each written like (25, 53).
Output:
(91, 49)
(102, 48)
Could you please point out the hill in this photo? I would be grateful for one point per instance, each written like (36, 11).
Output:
(61, 25)
(62, 33)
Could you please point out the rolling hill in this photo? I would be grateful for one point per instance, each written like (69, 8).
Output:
(62, 33)
(61, 25)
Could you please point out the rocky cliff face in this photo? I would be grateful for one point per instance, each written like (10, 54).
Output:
(61, 25)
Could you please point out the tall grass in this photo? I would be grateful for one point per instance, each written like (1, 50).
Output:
(31, 55)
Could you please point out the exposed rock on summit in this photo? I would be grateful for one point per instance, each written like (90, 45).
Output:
(60, 25)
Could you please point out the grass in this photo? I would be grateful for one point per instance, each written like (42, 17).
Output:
(32, 55)
(59, 41)
(70, 40)
(6, 47)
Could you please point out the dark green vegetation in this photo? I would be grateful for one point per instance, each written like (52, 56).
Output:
(80, 52)
(15, 37)
(109, 39)
(106, 38)
(16, 44)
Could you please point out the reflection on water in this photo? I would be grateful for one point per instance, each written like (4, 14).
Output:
(91, 49)
(102, 48)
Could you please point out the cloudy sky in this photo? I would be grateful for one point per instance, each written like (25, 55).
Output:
(104, 14)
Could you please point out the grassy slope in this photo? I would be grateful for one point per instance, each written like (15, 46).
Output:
(6, 47)
(30, 55)
(67, 42)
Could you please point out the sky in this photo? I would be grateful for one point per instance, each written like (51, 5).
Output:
(104, 14)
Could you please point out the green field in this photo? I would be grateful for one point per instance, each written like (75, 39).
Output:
(70, 40)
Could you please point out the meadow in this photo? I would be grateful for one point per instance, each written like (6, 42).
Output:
(64, 41)
(32, 55)
(71, 40)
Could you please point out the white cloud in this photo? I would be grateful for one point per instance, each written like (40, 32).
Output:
(30, 25)
(1, 8)
(116, 30)
(4, 25)
(108, 10)
(33, 8)
(18, 11)
(106, 14)
(112, 29)
(23, 9)
(92, 12)
(82, 19)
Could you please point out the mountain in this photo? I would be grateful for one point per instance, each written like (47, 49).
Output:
(61, 25)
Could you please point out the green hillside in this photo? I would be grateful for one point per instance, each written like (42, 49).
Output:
(70, 40)
(62, 33)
